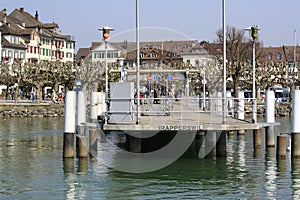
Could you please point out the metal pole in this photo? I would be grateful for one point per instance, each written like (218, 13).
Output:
(224, 63)
(204, 82)
(254, 117)
(138, 61)
(106, 82)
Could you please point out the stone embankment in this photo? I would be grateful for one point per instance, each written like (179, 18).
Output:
(31, 110)
(27, 109)
(281, 109)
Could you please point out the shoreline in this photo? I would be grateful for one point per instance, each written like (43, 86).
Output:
(26, 108)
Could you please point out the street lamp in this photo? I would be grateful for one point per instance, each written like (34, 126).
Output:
(105, 35)
(253, 30)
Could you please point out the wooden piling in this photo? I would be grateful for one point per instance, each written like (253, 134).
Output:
(69, 125)
(68, 146)
(256, 138)
(281, 146)
(93, 140)
(81, 146)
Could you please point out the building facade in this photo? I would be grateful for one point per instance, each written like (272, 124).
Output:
(42, 41)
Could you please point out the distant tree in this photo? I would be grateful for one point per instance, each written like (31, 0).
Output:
(6, 77)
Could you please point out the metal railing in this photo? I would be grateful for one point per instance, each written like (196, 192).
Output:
(166, 106)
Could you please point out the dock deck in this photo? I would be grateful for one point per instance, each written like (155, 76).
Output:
(182, 116)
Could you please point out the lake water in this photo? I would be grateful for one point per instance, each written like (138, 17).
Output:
(31, 167)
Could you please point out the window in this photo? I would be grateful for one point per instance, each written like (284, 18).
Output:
(278, 56)
(142, 55)
(16, 55)
(22, 55)
(153, 55)
(270, 56)
(9, 53)
(3, 53)
(69, 55)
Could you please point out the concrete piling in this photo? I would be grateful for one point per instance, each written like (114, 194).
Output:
(135, 144)
(210, 143)
(221, 144)
(69, 125)
(270, 118)
(295, 143)
(281, 146)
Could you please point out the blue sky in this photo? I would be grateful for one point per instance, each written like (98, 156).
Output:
(195, 19)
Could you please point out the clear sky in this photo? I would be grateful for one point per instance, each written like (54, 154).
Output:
(197, 19)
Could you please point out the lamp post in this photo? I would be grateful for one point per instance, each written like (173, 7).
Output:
(105, 35)
(187, 86)
(224, 60)
(204, 83)
(253, 30)
(138, 119)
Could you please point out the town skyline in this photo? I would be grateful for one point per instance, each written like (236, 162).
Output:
(198, 20)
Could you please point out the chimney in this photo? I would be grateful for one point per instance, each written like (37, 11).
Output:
(36, 15)
(21, 9)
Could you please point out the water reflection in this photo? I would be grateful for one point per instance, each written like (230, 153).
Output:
(296, 177)
(271, 173)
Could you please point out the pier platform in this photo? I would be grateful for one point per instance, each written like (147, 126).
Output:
(181, 117)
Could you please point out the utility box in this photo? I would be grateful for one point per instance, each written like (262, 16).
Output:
(121, 108)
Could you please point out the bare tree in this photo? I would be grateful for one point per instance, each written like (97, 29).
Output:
(239, 51)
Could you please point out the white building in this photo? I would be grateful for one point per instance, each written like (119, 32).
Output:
(98, 53)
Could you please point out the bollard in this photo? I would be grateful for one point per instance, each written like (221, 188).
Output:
(69, 125)
(281, 146)
(270, 118)
(295, 143)
(256, 138)
(93, 140)
(81, 146)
